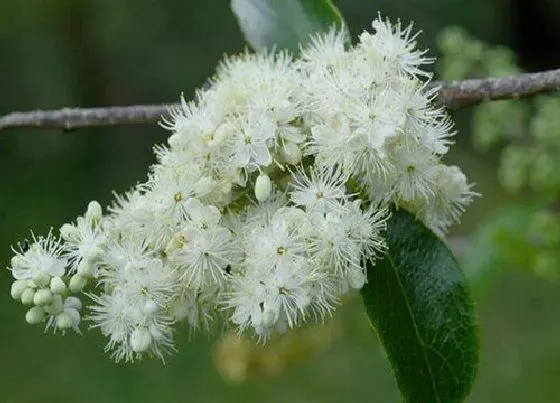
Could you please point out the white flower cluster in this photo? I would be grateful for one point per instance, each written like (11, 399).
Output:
(253, 213)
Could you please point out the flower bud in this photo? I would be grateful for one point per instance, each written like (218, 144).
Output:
(27, 296)
(68, 232)
(18, 287)
(35, 315)
(263, 187)
(140, 340)
(85, 268)
(17, 261)
(57, 285)
(356, 279)
(73, 302)
(77, 282)
(291, 153)
(41, 279)
(43, 296)
(74, 316)
(94, 211)
(63, 321)
(56, 306)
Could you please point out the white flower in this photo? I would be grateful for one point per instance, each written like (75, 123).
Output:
(203, 256)
(44, 256)
(192, 245)
(452, 194)
(197, 307)
(137, 271)
(250, 140)
(121, 318)
(393, 48)
(321, 191)
(274, 245)
(414, 173)
(83, 243)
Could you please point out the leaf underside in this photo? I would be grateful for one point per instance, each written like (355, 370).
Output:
(284, 24)
(418, 301)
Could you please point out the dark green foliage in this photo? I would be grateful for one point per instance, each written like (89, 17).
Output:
(418, 301)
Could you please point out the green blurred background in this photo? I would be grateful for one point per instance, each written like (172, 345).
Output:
(56, 53)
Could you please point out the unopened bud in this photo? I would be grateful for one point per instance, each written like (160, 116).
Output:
(94, 211)
(263, 187)
(43, 296)
(57, 285)
(74, 316)
(35, 315)
(356, 279)
(73, 302)
(63, 321)
(77, 282)
(18, 287)
(85, 268)
(68, 232)
(140, 340)
(56, 306)
(17, 261)
(291, 153)
(41, 279)
(27, 296)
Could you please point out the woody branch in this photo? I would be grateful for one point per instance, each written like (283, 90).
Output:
(452, 94)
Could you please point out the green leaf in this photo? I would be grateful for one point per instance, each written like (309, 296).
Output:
(418, 301)
(284, 23)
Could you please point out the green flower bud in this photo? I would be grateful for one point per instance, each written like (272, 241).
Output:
(41, 279)
(18, 287)
(94, 211)
(263, 187)
(73, 302)
(85, 268)
(140, 340)
(35, 315)
(69, 232)
(56, 306)
(27, 296)
(43, 296)
(77, 282)
(63, 321)
(291, 153)
(57, 285)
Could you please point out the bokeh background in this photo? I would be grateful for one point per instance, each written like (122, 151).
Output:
(60, 53)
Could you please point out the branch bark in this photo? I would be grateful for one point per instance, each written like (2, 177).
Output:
(452, 94)
(460, 94)
(73, 118)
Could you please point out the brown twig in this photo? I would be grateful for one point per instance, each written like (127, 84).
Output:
(73, 118)
(452, 94)
(460, 94)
